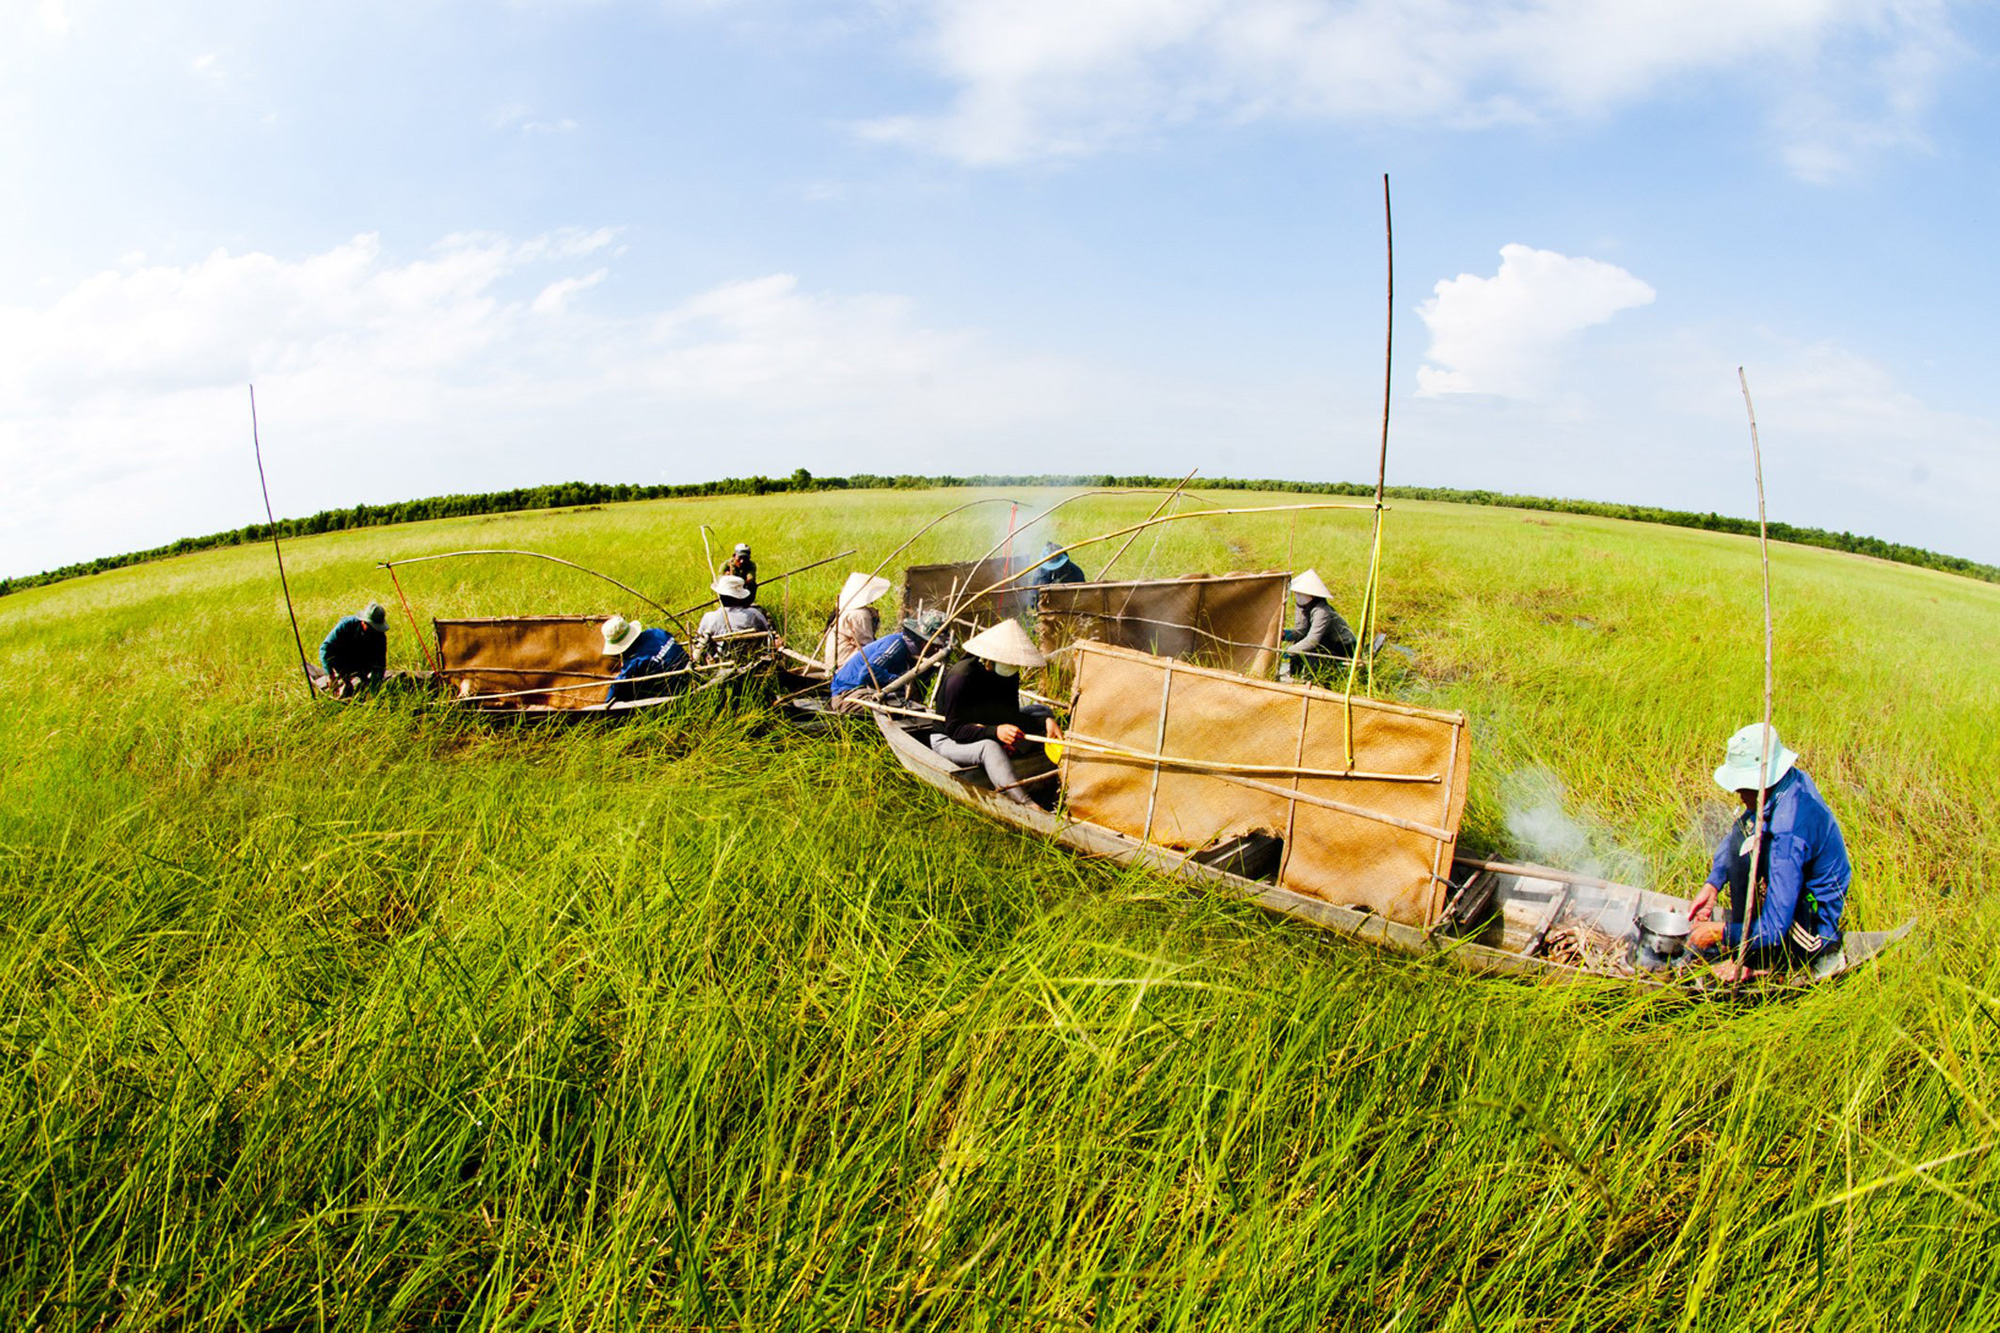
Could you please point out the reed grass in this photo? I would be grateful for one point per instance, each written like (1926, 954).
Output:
(379, 1017)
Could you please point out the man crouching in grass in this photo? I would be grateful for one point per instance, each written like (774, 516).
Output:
(1802, 871)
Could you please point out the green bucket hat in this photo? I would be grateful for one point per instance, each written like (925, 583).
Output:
(375, 615)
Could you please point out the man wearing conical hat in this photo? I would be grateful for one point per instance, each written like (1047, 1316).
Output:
(649, 661)
(1319, 640)
(355, 652)
(1802, 871)
(980, 698)
(855, 621)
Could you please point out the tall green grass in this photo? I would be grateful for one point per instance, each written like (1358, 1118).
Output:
(378, 1017)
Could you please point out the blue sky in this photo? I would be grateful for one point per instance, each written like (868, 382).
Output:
(463, 247)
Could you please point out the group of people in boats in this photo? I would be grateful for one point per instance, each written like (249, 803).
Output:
(1802, 868)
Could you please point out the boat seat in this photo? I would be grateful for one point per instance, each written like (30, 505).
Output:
(1255, 855)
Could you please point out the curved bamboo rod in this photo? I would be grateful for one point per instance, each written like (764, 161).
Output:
(539, 555)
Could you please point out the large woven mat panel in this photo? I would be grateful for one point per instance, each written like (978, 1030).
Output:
(939, 587)
(525, 653)
(1230, 620)
(1150, 705)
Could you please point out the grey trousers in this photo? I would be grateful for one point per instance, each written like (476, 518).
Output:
(989, 755)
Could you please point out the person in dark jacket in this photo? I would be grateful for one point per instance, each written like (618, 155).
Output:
(1319, 640)
(740, 565)
(1803, 871)
(645, 657)
(1056, 567)
(355, 652)
(981, 702)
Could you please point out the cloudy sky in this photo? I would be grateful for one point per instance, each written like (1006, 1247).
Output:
(467, 246)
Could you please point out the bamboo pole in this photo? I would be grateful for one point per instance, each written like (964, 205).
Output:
(257, 446)
(1105, 747)
(1764, 751)
(538, 555)
(1104, 574)
(1366, 637)
(775, 578)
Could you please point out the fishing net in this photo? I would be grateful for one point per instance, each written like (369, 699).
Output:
(1230, 620)
(941, 587)
(1363, 841)
(523, 656)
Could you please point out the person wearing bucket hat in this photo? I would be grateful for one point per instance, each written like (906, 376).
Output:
(984, 723)
(880, 663)
(1803, 871)
(1319, 638)
(646, 657)
(737, 627)
(355, 652)
(854, 623)
(1056, 567)
(740, 565)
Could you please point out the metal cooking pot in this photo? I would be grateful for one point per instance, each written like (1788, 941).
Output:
(1664, 932)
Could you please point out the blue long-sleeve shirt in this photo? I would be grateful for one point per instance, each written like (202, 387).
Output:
(353, 647)
(1804, 865)
(875, 665)
(652, 653)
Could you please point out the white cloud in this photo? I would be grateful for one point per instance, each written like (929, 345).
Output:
(1048, 78)
(54, 15)
(123, 419)
(1504, 335)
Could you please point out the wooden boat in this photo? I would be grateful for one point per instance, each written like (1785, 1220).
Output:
(1529, 903)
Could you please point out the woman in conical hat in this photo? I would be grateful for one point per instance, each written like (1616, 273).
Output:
(855, 622)
(984, 723)
(1319, 640)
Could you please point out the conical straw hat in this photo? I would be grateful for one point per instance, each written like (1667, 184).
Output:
(1006, 642)
(1311, 584)
(861, 590)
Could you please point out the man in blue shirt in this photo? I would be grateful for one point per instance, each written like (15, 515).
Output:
(645, 657)
(880, 662)
(355, 652)
(1803, 870)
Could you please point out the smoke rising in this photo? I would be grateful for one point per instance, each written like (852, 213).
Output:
(1532, 800)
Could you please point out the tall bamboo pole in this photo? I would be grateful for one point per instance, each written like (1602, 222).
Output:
(1764, 753)
(1366, 638)
(257, 446)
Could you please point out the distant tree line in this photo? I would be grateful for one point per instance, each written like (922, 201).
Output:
(572, 493)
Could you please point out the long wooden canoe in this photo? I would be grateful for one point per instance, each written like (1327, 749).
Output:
(1528, 901)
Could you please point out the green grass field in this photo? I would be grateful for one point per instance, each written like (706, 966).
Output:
(379, 1017)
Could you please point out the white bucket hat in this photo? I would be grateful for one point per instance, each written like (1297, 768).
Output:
(1006, 642)
(1312, 585)
(619, 634)
(1746, 747)
(743, 548)
(861, 590)
(729, 586)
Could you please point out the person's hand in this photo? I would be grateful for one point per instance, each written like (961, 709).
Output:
(1732, 971)
(1055, 729)
(1704, 904)
(1008, 734)
(1705, 935)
